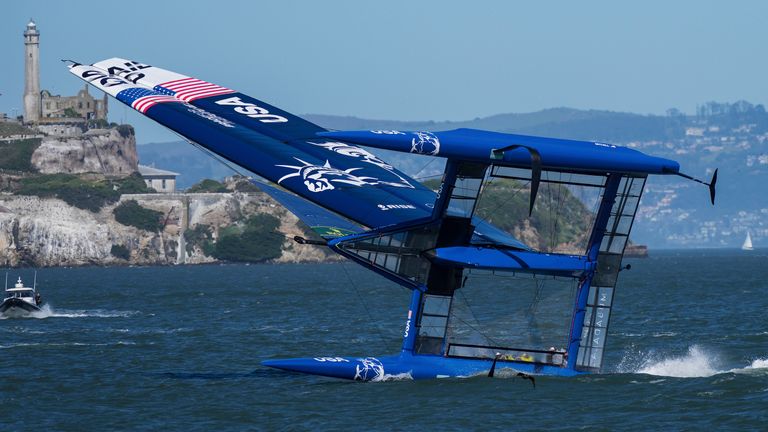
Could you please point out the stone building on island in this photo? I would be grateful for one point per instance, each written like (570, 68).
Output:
(44, 107)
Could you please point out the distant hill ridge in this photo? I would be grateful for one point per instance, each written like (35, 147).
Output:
(555, 122)
(594, 125)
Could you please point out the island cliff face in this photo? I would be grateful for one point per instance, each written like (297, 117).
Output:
(111, 152)
(42, 229)
(43, 232)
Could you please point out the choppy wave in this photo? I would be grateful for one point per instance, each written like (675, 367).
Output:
(49, 312)
(62, 344)
(698, 362)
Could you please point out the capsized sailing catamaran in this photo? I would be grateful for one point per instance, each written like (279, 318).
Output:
(428, 241)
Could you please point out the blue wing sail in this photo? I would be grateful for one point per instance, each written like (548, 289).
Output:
(511, 150)
(341, 177)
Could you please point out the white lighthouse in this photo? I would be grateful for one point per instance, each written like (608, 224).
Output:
(31, 73)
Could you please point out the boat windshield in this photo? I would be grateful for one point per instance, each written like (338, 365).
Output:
(19, 294)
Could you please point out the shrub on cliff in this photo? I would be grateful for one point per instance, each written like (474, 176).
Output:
(130, 213)
(258, 240)
(241, 184)
(133, 184)
(75, 191)
(81, 192)
(120, 251)
(207, 186)
(199, 236)
(125, 130)
(17, 155)
(559, 218)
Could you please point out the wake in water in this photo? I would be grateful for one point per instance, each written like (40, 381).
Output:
(63, 344)
(696, 363)
(47, 311)
(757, 366)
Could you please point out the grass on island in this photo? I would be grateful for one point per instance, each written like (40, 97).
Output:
(81, 192)
(16, 155)
(8, 128)
(207, 186)
(130, 213)
(558, 217)
(256, 239)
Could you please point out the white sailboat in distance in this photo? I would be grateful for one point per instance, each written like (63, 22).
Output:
(747, 243)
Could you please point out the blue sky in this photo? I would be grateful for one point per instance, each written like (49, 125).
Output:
(411, 60)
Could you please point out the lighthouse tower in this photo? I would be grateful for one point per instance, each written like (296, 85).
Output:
(31, 73)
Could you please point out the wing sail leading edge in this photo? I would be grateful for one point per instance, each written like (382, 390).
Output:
(343, 178)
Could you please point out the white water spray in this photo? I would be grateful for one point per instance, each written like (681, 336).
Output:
(696, 363)
(758, 366)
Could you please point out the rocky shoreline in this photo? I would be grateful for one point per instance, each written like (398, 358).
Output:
(47, 232)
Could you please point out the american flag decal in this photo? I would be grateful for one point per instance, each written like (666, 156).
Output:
(189, 89)
(146, 102)
(142, 99)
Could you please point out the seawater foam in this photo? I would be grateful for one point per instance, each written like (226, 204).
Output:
(405, 376)
(696, 363)
(48, 312)
(757, 366)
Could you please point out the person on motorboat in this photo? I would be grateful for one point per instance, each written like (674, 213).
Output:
(38, 299)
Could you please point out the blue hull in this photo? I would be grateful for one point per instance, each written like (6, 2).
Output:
(408, 366)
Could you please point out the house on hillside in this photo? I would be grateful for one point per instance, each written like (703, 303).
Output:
(159, 180)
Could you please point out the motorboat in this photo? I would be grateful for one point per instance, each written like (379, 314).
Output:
(20, 300)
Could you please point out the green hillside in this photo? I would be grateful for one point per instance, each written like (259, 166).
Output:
(559, 222)
(555, 122)
(16, 155)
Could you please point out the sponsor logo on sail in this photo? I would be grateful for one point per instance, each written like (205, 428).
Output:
(251, 110)
(408, 324)
(385, 207)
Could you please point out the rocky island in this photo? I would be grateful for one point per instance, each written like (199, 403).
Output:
(71, 195)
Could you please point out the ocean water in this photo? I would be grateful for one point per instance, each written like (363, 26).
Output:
(179, 348)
